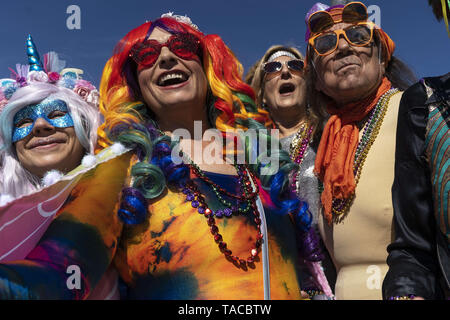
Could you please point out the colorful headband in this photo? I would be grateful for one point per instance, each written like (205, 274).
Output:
(51, 71)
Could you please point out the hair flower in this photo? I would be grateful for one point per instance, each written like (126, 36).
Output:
(86, 91)
(22, 82)
(53, 77)
(3, 102)
(93, 97)
(38, 76)
(82, 92)
(84, 84)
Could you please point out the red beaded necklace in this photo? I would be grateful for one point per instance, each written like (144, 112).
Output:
(198, 201)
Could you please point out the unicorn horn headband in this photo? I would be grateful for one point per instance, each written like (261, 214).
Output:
(52, 70)
(34, 60)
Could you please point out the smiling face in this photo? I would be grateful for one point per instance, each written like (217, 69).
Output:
(47, 147)
(285, 89)
(350, 73)
(172, 84)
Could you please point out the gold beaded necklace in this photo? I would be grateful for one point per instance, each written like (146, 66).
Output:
(299, 141)
(340, 207)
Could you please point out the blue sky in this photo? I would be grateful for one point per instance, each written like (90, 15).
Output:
(248, 27)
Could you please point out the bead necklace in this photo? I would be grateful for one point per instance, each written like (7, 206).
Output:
(407, 297)
(197, 200)
(298, 147)
(249, 196)
(340, 207)
(245, 185)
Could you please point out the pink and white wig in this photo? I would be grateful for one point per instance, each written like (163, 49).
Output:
(31, 87)
(16, 180)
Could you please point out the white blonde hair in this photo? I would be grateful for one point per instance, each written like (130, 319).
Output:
(16, 180)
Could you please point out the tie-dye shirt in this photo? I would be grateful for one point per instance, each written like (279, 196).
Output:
(172, 255)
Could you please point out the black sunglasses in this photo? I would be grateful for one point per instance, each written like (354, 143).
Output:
(276, 66)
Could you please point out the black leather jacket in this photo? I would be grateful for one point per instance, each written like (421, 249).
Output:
(419, 259)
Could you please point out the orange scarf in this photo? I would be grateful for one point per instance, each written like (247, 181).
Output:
(337, 148)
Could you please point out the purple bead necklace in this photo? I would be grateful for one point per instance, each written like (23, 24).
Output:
(198, 202)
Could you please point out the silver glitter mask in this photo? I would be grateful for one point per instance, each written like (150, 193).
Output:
(25, 119)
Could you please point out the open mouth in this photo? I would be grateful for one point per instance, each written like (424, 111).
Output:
(172, 78)
(286, 88)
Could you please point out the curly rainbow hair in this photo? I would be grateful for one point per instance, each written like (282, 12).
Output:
(230, 106)
(233, 99)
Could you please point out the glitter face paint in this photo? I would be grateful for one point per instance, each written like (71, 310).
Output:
(44, 110)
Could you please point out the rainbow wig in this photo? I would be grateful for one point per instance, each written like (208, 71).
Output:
(230, 106)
